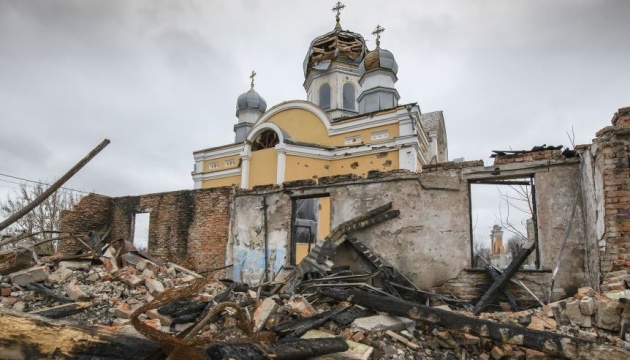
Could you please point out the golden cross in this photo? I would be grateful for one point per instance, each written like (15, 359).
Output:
(378, 32)
(338, 7)
(252, 77)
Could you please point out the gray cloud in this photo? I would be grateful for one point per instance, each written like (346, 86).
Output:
(160, 78)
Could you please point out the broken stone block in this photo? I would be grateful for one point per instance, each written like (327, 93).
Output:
(132, 280)
(62, 274)
(19, 306)
(34, 274)
(587, 306)
(131, 259)
(263, 311)
(356, 350)
(574, 313)
(5, 291)
(148, 274)
(141, 264)
(154, 323)
(76, 265)
(608, 315)
(378, 323)
(120, 322)
(123, 311)
(496, 353)
(535, 355)
(301, 306)
(110, 265)
(154, 287)
(75, 293)
(541, 324)
(471, 340)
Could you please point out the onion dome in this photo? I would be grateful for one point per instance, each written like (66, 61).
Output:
(251, 100)
(378, 59)
(338, 45)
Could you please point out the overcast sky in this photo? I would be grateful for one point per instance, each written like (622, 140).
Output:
(160, 78)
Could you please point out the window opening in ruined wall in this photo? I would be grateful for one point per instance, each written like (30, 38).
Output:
(349, 97)
(265, 140)
(141, 232)
(310, 222)
(503, 219)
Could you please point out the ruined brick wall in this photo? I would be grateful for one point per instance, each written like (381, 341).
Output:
(93, 212)
(187, 227)
(471, 284)
(550, 155)
(611, 157)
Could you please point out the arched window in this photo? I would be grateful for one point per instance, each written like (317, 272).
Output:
(265, 140)
(324, 97)
(348, 96)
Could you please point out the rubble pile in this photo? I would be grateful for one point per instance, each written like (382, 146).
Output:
(317, 309)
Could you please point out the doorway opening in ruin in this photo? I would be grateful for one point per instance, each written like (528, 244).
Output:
(141, 232)
(310, 221)
(502, 220)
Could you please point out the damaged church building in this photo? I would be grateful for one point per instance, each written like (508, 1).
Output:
(343, 207)
(581, 198)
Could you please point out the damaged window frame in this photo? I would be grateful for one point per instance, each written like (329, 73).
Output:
(293, 238)
(523, 180)
(134, 229)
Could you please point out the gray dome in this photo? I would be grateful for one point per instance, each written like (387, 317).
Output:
(251, 101)
(378, 59)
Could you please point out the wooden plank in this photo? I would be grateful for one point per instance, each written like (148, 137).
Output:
(494, 275)
(26, 336)
(516, 263)
(551, 343)
(62, 311)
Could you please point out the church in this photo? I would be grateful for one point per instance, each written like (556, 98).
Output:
(350, 123)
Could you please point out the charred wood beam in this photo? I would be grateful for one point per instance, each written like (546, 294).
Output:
(54, 187)
(494, 275)
(26, 336)
(294, 349)
(62, 311)
(548, 342)
(44, 290)
(516, 263)
(312, 322)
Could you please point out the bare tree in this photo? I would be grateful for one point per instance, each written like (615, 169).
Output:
(515, 244)
(479, 250)
(45, 218)
(518, 200)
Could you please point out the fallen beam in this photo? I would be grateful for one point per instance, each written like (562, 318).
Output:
(509, 272)
(280, 350)
(62, 311)
(494, 275)
(26, 336)
(547, 342)
(62, 180)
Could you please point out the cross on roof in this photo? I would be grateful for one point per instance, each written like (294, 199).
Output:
(252, 77)
(378, 32)
(338, 7)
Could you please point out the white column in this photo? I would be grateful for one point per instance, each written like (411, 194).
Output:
(281, 150)
(407, 158)
(433, 146)
(245, 156)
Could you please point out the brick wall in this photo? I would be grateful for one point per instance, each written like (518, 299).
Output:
(187, 227)
(93, 212)
(529, 156)
(612, 150)
(470, 285)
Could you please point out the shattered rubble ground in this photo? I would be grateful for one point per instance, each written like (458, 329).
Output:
(316, 310)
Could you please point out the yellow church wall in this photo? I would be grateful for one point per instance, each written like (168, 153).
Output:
(304, 126)
(298, 168)
(366, 134)
(323, 220)
(360, 165)
(301, 125)
(263, 166)
(226, 181)
(221, 163)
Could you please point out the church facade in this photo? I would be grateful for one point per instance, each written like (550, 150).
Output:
(350, 123)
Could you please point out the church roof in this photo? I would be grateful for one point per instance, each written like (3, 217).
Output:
(336, 45)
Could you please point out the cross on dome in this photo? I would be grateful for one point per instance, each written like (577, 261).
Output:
(252, 77)
(338, 7)
(378, 32)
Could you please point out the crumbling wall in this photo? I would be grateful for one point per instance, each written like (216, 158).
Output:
(610, 155)
(93, 212)
(186, 227)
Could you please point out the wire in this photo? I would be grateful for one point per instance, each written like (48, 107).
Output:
(38, 182)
